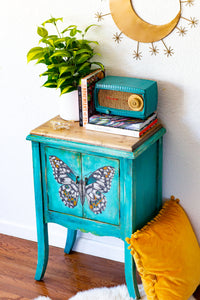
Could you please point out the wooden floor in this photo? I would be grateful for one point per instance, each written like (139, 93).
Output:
(65, 275)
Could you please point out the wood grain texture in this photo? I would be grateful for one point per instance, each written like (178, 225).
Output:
(82, 135)
(65, 275)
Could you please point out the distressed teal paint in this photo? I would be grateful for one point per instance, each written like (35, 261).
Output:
(159, 172)
(146, 193)
(129, 226)
(71, 238)
(154, 138)
(87, 148)
(73, 161)
(42, 230)
(91, 163)
(134, 197)
(75, 223)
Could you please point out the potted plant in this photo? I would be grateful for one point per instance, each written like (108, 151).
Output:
(67, 56)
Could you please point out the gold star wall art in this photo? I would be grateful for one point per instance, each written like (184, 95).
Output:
(134, 27)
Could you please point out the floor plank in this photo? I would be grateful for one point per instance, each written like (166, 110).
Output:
(64, 277)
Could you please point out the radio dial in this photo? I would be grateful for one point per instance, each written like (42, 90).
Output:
(135, 102)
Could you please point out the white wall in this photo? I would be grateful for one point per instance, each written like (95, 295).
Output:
(24, 105)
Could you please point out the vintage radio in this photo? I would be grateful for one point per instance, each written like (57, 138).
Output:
(125, 96)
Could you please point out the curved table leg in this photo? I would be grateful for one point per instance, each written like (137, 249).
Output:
(42, 230)
(129, 226)
(71, 237)
(43, 251)
(130, 274)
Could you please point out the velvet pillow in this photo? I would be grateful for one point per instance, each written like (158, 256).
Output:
(167, 254)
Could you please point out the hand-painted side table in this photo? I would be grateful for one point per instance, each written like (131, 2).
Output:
(109, 185)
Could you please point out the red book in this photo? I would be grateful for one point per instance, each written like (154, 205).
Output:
(87, 90)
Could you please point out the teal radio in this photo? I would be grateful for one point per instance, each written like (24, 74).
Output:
(126, 96)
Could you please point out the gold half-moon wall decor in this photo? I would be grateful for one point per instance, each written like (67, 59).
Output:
(134, 27)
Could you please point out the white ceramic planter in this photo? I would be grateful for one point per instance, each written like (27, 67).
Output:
(68, 106)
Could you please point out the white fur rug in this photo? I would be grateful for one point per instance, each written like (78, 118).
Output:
(114, 293)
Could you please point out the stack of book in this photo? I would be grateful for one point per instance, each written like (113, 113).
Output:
(121, 125)
(92, 120)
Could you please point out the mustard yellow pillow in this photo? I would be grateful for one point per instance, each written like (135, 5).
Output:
(167, 254)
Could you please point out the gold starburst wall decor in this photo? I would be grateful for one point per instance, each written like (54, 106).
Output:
(137, 54)
(181, 31)
(168, 50)
(188, 2)
(153, 49)
(132, 26)
(117, 37)
(100, 16)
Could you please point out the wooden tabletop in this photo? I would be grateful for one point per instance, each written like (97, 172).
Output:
(82, 135)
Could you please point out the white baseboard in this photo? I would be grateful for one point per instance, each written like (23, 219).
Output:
(105, 247)
(18, 230)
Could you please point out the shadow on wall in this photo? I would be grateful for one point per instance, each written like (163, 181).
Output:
(181, 164)
(172, 111)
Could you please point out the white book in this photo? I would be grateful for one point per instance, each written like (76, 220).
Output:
(113, 130)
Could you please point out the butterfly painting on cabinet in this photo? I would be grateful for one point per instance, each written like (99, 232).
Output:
(92, 188)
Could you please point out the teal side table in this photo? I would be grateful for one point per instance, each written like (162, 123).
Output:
(109, 185)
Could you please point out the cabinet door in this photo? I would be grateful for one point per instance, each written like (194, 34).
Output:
(63, 168)
(100, 177)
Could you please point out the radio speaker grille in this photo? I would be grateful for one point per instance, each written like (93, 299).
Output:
(120, 100)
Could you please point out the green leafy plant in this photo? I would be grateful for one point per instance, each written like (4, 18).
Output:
(66, 54)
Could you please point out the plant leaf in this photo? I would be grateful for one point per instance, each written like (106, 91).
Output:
(41, 61)
(62, 80)
(68, 28)
(35, 53)
(51, 41)
(87, 28)
(53, 77)
(59, 40)
(36, 49)
(42, 32)
(98, 64)
(83, 51)
(85, 65)
(52, 20)
(45, 41)
(52, 36)
(62, 53)
(73, 31)
(50, 84)
(83, 58)
(65, 69)
(89, 42)
(67, 89)
(69, 41)
(46, 73)
(52, 66)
